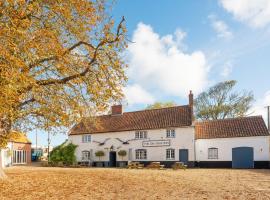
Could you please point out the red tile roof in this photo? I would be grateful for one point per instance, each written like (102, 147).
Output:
(140, 120)
(237, 127)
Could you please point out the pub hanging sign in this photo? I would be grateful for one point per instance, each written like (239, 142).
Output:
(156, 143)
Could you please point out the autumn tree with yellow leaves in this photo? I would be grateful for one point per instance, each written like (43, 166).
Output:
(60, 60)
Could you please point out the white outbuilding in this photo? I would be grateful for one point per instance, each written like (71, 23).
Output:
(239, 143)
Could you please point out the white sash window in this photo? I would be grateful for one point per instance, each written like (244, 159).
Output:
(213, 153)
(141, 154)
(170, 154)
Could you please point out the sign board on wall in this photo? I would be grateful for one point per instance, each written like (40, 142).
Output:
(156, 143)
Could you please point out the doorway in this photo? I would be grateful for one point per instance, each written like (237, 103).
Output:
(183, 156)
(112, 162)
(243, 157)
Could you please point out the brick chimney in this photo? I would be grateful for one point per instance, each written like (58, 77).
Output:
(191, 103)
(117, 110)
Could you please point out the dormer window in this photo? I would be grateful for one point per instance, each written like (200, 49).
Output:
(86, 138)
(170, 133)
(140, 135)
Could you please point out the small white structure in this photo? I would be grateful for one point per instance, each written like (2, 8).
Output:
(224, 143)
(17, 151)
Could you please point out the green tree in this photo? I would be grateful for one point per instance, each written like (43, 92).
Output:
(221, 101)
(64, 153)
(160, 105)
(60, 61)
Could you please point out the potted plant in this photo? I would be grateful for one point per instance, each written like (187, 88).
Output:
(99, 154)
(122, 154)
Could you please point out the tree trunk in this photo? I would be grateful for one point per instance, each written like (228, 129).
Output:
(5, 127)
(2, 173)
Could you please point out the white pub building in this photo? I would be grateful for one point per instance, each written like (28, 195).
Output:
(170, 135)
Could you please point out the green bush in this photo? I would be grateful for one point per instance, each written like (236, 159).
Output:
(122, 153)
(64, 153)
(99, 154)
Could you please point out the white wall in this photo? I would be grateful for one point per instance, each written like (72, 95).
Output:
(6, 158)
(184, 139)
(260, 145)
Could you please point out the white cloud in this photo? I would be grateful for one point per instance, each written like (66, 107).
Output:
(160, 65)
(260, 106)
(227, 69)
(135, 94)
(221, 28)
(254, 12)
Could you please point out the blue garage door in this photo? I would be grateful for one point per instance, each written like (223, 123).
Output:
(242, 157)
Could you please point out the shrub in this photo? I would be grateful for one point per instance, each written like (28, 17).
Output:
(64, 153)
(122, 153)
(99, 154)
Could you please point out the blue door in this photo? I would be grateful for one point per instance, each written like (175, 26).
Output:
(242, 157)
(183, 156)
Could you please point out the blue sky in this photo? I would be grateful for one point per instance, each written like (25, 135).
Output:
(183, 45)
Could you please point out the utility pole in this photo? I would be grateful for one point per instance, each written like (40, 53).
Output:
(36, 140)
(49, 140)
(49, 146)
(268, 117)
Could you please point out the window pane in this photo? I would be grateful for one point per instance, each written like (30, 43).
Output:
(141, 154)
(83, 138)
(212, 153)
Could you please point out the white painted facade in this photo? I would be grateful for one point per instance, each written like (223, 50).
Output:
(6, 156)
(184, 139)
(260, 144)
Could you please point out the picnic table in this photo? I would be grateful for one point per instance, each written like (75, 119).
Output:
(179, 165)
(155, 165)
(135, 165)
